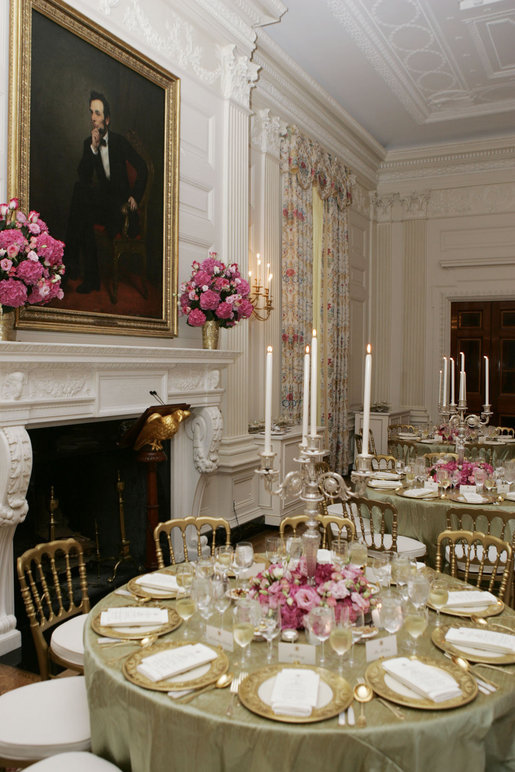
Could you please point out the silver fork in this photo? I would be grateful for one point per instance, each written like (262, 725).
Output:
(234, 691)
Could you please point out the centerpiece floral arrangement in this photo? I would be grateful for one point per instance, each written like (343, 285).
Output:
(466, 470)
(447, 433)
(31, 260)
(215, 292)
(289, 588)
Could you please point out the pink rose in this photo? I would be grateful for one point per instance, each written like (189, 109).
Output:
(209, 300)
(6, 264)
(306, 598)
(13, 203)
(196, 318)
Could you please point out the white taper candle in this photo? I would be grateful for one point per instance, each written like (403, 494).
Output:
(445, 382)
(487, 378)
(366, 399)
(314, 383)
(305, 398)
(268, 401)
(451, 367)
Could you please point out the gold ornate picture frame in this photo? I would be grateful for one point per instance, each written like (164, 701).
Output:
(62, 65)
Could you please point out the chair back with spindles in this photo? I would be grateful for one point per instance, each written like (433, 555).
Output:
(197, 526)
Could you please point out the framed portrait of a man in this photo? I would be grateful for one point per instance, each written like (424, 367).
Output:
(94, 149)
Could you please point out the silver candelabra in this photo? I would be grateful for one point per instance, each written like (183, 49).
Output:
(455, 416)
(311, 483)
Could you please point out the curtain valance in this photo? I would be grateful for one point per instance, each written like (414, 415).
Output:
(312, 165)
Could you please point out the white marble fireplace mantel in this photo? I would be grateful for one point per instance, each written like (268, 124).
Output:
(46, 384)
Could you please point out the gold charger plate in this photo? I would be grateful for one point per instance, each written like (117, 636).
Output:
(462, 500)
(489, 611)
(375, 676)
(141, 592)
(136, 633)
(430, 496)
(335, 694)
(438, 638)
(211, 671)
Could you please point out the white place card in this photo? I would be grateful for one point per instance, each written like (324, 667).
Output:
(303, 653)
(130, 616)
(381, 647)
(219, 637)
(503, 488)
(431, 485)
(467, 489)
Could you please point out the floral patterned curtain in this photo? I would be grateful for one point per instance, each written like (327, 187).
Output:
(304, 164)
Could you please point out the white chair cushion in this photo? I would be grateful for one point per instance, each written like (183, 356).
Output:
(44, 718)
(67, 640)
(478, 552)
(405, 545)
(74, 762)
(337, 509)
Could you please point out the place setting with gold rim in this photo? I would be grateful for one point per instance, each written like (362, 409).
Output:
(157, 585)
(124, 623)
(476, 644)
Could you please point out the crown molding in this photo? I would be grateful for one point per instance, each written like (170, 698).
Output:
(456, 157)
(299, 99)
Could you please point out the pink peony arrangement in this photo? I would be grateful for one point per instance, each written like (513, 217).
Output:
(290, 589)
(31, 261)
(215, 292)
(465, 470)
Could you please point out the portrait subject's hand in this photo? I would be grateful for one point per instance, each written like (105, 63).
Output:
(132, 203)
(95, 139)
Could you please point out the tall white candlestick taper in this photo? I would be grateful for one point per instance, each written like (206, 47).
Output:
(440, 389)
(258, 269)
(487, 378)
(314, 383)
(445, 382)
(305, 399)
(451, 364)
(366, 399)
(462, 397)
(268, 401)
(462, 368)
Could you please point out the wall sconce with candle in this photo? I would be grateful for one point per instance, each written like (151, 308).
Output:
(260, 291)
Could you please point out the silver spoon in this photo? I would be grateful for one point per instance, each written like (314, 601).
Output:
(362, 693)
(148, 640)
(483, 623)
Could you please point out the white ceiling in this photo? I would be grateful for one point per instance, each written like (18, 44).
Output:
(411, 72)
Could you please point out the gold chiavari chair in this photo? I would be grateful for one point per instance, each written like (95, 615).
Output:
(402, 450)
(49, 593)
(336, 528)
(190, 525)
(383, 463)
(478, 451)
(505, 431)
(483, 559)
(358, 439)
(433, 458)
(376, 524)
(291, 523)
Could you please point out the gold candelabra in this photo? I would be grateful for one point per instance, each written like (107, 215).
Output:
(260, 295)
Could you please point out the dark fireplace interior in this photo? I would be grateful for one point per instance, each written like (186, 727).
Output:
(79, 472)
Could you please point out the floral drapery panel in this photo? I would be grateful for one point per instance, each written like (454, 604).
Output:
(304, 164)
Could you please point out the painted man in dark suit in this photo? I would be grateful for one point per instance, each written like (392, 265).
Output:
(101, 192)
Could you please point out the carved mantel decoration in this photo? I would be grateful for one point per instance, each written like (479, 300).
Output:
(47, 384)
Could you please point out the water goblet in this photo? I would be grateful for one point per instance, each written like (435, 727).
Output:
(399, 466)
(340, 637)
(319, 621)
(401, 573)
(273, 549)
(438, 596)
(409, 474)
(294, 549)
(391, 615)
(479, 475)
(270, 625)
(382, 568)
(489, 484)
(443, 479)
(202, 595)
(358, 553)
(415, 622)
(184, 574)
(456, 479)
(243, 558)
(340, 553)
(245, 618)
(205, 567)
(223, 559)
(418, 589)
(220, 592)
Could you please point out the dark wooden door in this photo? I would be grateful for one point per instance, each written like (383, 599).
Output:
(487, 329)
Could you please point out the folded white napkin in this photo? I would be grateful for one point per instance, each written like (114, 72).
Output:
(158, 582)
(171, 662)
(386, 476)
(486, 640)
(295, 692)
(428, 681)
(510, 496)
(131, 616)
(386, 484)
(419, 493)
(324, 556)
(473, 498)
(469, 599)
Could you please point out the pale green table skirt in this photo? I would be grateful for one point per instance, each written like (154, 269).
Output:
(424, 520)
(145, 731)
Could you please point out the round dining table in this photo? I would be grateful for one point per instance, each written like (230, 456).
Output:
(142, 730)
(425, 519)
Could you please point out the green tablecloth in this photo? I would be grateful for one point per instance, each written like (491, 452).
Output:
(424, 520)
(501, 452)
(145, 731)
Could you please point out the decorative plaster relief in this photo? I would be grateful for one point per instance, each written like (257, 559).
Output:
(16, 466)
(194, 381)
(480, 199)
(360, 199)
(266, 132)
(59, 384)
(415, 204)
(238, 76)
(382, 205)
(205, 427)
(11, 386)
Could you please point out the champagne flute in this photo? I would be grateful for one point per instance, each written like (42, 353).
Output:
(223, 559)
(438, 596)
(401, 573)
(185, 607)
(270, 625)
(184, 574)
(444, 480)
(273, 548)
(340, 637)
(220, 592)
(415, 622)
(245, 618)
(320, 620)
(202, 595)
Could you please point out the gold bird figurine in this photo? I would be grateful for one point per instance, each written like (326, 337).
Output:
(158, 428)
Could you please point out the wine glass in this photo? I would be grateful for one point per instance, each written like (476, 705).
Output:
(294, 549)
(319, 621)
(456, 478)
(438, 596)
(185, 607)
(357, 630)
(409, 474)
(223, 559)
(489, 483)
(401, 573)
(381, 565)
(340, 553)
(418, 589)
(399, 466)
(273, 549)
(443, 479)
(358, 553)
(243, 557)
(415, 622)
(391, 614)
(205, 567)
(245, 618)
(270, 625)
(184, 574)
(220, 593)
(340, 637)
(479, 478)
(202, 595)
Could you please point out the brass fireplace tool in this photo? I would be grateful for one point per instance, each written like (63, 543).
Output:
(124, 554)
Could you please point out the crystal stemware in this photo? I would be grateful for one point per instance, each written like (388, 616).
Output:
(401, 573)
(184, 574)
(418, 589)
(243, 558)
(415, 622)
(203, 597)
(391, 614)
(220, 593)
(438, 596)
(340, 637)
(319, 621)
(224, 556)
(245, 619)
(270, 625)
(273, 549)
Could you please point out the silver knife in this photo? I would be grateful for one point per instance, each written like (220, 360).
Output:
(350, 716)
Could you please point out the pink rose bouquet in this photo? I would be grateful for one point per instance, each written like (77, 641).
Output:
(289, 589)
(215, 292)
(465, 470)
(31, 261)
